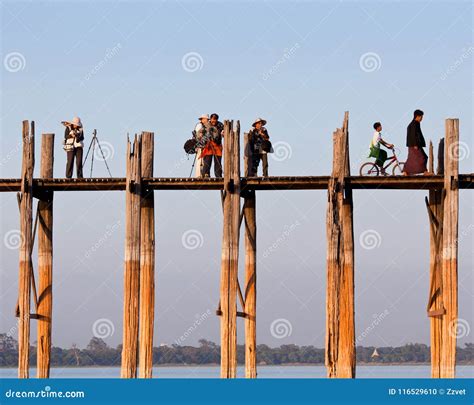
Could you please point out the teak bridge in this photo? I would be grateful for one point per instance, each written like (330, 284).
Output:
(139, 279)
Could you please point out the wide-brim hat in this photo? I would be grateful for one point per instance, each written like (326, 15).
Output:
(259, 120)
(204, 116)
(75, 121)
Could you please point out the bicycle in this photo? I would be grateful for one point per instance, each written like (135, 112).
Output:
(371, 169)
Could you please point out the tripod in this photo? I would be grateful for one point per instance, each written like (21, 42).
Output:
(95, 143)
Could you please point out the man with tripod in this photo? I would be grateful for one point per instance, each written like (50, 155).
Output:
(73, 145)
(209, 136)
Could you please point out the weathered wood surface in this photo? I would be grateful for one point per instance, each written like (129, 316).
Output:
(230, 251)
(25, 265)
(132, 260)
(466, 181)
(340, 326)
(147, 262)
(45, 260)
(450, 250)
(250, 295)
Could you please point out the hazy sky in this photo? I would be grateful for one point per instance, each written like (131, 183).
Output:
(127, 67)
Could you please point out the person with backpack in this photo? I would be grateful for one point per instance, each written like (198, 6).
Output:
(198, 133)
(73, 144)
(260, 146)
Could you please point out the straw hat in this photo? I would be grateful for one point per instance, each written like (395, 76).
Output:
(259, 120)
(204, 116)
(76, 121)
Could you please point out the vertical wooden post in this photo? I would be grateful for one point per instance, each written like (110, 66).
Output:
(450, 250)
(147, 262)
(435, 308)
(340, 325)
(45, 260)
(132, 260)
(250, 272)
(26, 222)
(230, 250)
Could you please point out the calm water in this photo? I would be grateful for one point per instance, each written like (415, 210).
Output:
(263, 372)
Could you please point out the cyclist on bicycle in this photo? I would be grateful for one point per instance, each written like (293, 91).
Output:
(375, 150)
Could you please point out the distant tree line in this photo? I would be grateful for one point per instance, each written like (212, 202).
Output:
(98, 353)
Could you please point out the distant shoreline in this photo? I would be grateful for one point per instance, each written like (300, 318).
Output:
(408, 364)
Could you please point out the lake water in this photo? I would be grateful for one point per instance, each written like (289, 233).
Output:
(263, 372)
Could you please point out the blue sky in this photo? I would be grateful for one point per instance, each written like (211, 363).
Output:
(125, 67)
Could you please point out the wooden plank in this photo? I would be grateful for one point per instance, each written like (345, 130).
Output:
(25, 265)
(249, 211)
(340, 325)
(450, 250)
(435, 308)
(466, 181)
(132, 260)
(147, 262)
(45, 261)
(230, 251)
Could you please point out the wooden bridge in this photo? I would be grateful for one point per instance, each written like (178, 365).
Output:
(139, 270)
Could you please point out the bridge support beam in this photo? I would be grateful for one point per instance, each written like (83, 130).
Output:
(340, 327)
(25, 268)
(45, 260)
(230, 250)
(131, 285)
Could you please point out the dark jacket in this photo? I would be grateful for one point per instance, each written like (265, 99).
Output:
(79, 134)
(256, 138)
(414, 135)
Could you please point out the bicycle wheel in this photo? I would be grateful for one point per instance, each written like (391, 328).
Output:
(397, 170)
(369, 169)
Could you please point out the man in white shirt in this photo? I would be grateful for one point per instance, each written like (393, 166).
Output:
(375, 151)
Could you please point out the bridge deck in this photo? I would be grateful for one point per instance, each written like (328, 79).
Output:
(256, 183)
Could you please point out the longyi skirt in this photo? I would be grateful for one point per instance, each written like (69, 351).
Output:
(416, 162)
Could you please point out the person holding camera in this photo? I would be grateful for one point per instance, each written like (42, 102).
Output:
(211, 139)
(73, 145)
(260, 146)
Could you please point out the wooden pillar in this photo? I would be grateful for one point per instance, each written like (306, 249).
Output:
(450, 250)
(132, 260)
(25, 267)
(147, 262)
(230, 250)
(45, 260)
(435, 308)
(340, 325)
(250, 272)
